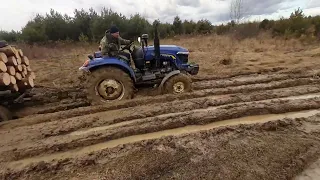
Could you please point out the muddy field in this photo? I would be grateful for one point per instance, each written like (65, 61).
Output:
(240, 124)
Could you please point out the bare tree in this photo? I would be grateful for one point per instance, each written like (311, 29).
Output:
(236, 10)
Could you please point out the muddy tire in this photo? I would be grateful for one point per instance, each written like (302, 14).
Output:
(5, 114)
(108, 84)
(178, 84)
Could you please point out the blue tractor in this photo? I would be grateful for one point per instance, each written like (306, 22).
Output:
(164, 66)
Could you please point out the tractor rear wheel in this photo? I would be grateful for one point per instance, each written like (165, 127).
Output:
(178, 84)
(5, 114)
(108, 84)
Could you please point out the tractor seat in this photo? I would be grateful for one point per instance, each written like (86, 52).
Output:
(138, 58)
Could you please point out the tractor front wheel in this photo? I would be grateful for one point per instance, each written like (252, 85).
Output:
(108, 84)
(178, 84)
(5, 114)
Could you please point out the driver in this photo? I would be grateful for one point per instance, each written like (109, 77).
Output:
(110, 44)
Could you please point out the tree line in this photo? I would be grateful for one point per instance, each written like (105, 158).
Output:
(90, 26)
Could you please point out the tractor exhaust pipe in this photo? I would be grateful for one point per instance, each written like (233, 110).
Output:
(156, 46)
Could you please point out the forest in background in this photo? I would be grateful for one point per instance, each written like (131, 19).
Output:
(90, 26)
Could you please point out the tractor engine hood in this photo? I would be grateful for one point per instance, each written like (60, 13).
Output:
(168, 49)
(164, 49)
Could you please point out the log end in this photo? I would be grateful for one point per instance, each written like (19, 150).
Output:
(3, 57)
(5, 79)
(3, 67)
(13, 80)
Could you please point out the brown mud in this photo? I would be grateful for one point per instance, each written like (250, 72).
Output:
(243, 127)
(251, 151)
(169, 98)
(48, 100)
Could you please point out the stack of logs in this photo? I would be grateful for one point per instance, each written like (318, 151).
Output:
(15, 72)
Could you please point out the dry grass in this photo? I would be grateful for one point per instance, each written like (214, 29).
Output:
(57, 65)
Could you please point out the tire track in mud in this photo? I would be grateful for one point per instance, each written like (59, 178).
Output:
(246, 80)
(252, 74)
(158, 99)
(158, 123)
(205, 83)
(91, 156)
(65, 126)
(70, 125)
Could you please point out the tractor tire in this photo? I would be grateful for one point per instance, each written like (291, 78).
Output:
(96, 92)
(178, 84)
(5, 114)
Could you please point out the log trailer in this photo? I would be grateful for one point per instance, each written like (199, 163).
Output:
(16, 78)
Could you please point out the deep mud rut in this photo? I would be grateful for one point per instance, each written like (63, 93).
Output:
(243, 127)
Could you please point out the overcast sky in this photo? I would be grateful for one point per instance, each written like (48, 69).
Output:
(14, 14)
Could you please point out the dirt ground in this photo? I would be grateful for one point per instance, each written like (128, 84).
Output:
(254, 113)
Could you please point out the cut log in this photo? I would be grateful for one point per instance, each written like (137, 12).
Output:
(18, 68)
(19, 76)
(3, 67)
(19, 60)
(25, 83)
(8, 50)
(25, 60)
(5, 79)
(14, 87)
(12, 61)
(24, 67)
(32, 75)
(29, 69)
(23, 75)
(3, 57)
(13, 80)
(20, 53)
(11, 70)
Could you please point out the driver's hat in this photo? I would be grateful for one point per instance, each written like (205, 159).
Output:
(114, 29)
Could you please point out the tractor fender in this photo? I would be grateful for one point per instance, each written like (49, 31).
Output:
(100, 62)
(167, 77)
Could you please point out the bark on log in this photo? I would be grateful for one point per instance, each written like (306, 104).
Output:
(13, 80)
(25, 60)
(3, 57)
(11, 70)
(3, 67)
(12, 61)
(5, 79)
(18, 76)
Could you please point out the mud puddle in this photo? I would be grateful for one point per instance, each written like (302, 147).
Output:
(155, 135)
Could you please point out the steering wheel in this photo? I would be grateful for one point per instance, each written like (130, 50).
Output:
(128, 47)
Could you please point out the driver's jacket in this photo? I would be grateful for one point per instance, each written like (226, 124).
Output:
(110, 45)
